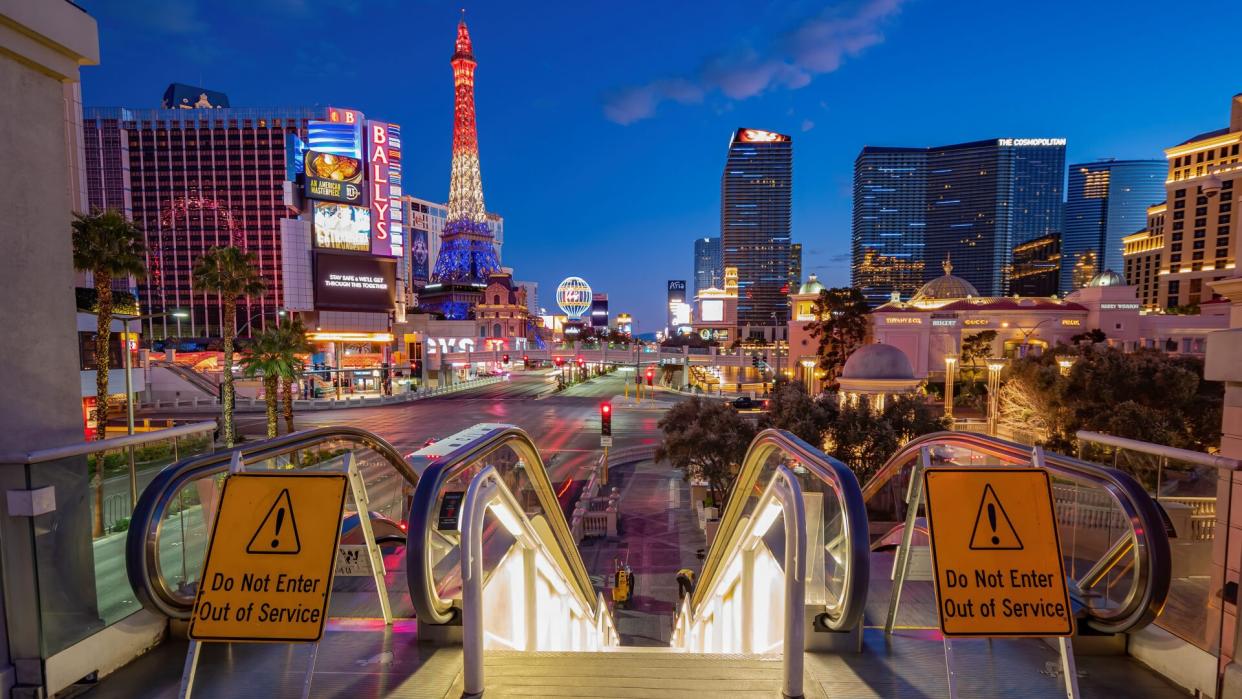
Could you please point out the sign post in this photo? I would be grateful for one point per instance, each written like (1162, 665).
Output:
(996, 558)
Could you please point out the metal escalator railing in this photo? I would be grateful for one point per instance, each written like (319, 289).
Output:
(837, 567)
(1113, 537)
(167, 539)
(433, 558)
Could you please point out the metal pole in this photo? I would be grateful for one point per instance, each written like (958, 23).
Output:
(129, 381)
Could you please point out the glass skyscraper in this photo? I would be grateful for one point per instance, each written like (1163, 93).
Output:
(1107, 200)
(708, 271)
(890, 219)
(755, 215)
(979, 200)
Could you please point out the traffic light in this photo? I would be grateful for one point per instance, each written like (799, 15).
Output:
(560, 361)
(650, 375)
(505, 358)
(605, 419)
(581, 361)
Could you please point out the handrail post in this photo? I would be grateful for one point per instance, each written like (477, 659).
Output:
(479, 493)
(790, 497)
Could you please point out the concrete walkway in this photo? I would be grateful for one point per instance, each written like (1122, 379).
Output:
(660, 535)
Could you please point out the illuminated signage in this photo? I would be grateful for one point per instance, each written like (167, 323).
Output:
(396, 229)
(944, 321)
(342, 227)
(420, 255)
(676, 285)
(759, 136)
(680, 313)
(381, 193)
(1030, 142)
(903, 320)
(976, 321)
(354, 283)
(444, 345)
(1119, 306)
(1071, 322)
(295, 156)
(711, 310)
(332, 177)
(341, 134)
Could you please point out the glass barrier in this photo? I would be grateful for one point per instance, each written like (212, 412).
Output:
(79, 548)
(1192, 503)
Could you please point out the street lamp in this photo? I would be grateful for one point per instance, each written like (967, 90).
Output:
(995, 365)
(1065, 363)
(179, 315)
(809, 366)
(950, 373)
(129, 379)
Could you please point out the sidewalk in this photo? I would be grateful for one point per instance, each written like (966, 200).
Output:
(659, 532)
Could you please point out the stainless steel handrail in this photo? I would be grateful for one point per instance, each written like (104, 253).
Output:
(1152, 556)
(847, 611)
(1184, 455)
(420, 573)
(142, 540)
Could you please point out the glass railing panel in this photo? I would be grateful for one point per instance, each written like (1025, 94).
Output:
(1096, 543)
(79, 548)
(1192, 500)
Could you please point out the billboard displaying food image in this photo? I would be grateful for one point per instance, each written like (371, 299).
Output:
(342, 227)
(332, 177)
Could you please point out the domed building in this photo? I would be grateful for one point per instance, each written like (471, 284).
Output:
(947, 287)
(1107, 278)
(876, 371)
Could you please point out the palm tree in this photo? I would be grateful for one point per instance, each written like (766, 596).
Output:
(268, 357)
(294, 342)
(233, 274)
(108, 246)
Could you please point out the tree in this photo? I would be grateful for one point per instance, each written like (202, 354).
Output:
(841, 325)
(232, 273)
(910, 416)
(266, 358)
(706, 440)
(792, 410)
(295, 344)
(1095, 336)
(976, 347)
(861, 439)
(107, 246)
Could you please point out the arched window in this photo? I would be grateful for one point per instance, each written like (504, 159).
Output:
(496, 299)
(496, 331)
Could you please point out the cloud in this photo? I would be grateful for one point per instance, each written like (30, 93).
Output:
(817, 45)
(807, 125)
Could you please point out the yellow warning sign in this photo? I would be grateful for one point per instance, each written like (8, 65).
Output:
(996, 553)
(268, 574)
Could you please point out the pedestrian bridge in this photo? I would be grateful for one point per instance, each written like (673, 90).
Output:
(628, 356)
(488, 593)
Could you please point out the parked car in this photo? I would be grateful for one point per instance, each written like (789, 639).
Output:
(748, 403)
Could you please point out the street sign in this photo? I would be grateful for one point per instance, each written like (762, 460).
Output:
(996, 553)
(605, 441)
(273, 548)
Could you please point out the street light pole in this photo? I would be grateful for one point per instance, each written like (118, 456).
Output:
(129, 379)
(950, 374)
(994, 370)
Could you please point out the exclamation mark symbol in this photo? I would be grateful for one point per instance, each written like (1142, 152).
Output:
(991, 521)
(280, 519)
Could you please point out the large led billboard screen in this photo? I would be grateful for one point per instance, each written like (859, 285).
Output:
(342, 227)
(712, 310)
(331, 177)
(354, 282)
(420, 256)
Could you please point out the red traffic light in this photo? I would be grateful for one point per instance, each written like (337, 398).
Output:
(581, 360)
(650, 373)
(526, 358)
(605, 408)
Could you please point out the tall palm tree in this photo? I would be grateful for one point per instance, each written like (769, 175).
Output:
(294, 342)
(108, 246)
(268, 357)
(233, 274)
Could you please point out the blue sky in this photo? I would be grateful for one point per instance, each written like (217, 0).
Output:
(603, 126)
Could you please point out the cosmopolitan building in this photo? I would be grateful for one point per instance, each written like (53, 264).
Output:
(707, 266)
(755, 216)
(973, 202)
(194, 179)
(1107, 200)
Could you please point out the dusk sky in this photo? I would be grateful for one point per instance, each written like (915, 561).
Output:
(603, 126)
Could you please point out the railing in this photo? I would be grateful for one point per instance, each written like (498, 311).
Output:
(65, 563)
(527, 601)
(819, 497)
(1113, 537)
(434, 555)
(1185, 484)
(167, 541)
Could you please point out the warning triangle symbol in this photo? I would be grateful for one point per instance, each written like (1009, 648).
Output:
(993, 530)
(278, 533)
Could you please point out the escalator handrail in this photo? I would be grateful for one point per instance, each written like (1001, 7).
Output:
(424, 514)
(848, 611)
(142, 539)
(1153, 558)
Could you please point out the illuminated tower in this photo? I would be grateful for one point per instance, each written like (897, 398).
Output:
(467, 252)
